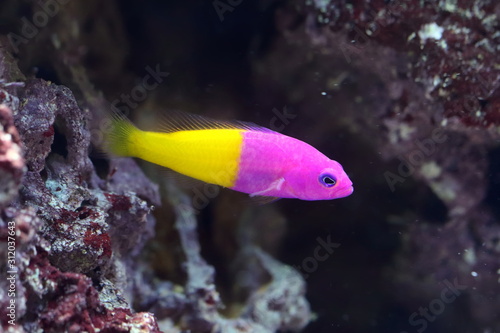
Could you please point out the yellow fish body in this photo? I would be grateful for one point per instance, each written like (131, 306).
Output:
(212, 159)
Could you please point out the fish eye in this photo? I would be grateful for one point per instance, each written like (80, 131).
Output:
(327, 180)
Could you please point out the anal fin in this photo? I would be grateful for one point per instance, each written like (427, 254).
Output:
(263, 200)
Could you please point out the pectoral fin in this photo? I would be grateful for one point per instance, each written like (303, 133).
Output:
(276, 185)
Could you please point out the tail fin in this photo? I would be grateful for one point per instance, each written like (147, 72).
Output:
(117, 135)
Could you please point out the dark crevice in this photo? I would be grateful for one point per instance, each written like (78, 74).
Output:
(46, 71)
(60, 144)
(101, 166)
(492, 199)
(44, 175)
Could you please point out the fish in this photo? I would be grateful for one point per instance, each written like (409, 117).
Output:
(237, 155)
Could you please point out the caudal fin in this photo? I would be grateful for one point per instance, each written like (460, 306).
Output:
(116, 134)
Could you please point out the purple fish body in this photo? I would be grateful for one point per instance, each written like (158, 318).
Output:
(275, 165)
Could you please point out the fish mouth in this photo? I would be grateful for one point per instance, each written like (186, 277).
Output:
(346, 191)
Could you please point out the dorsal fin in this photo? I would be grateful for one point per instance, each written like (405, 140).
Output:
(175, 121)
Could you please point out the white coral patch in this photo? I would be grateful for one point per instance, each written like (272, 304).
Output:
(430, 31)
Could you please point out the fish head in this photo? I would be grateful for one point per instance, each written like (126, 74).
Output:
(325, 180)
